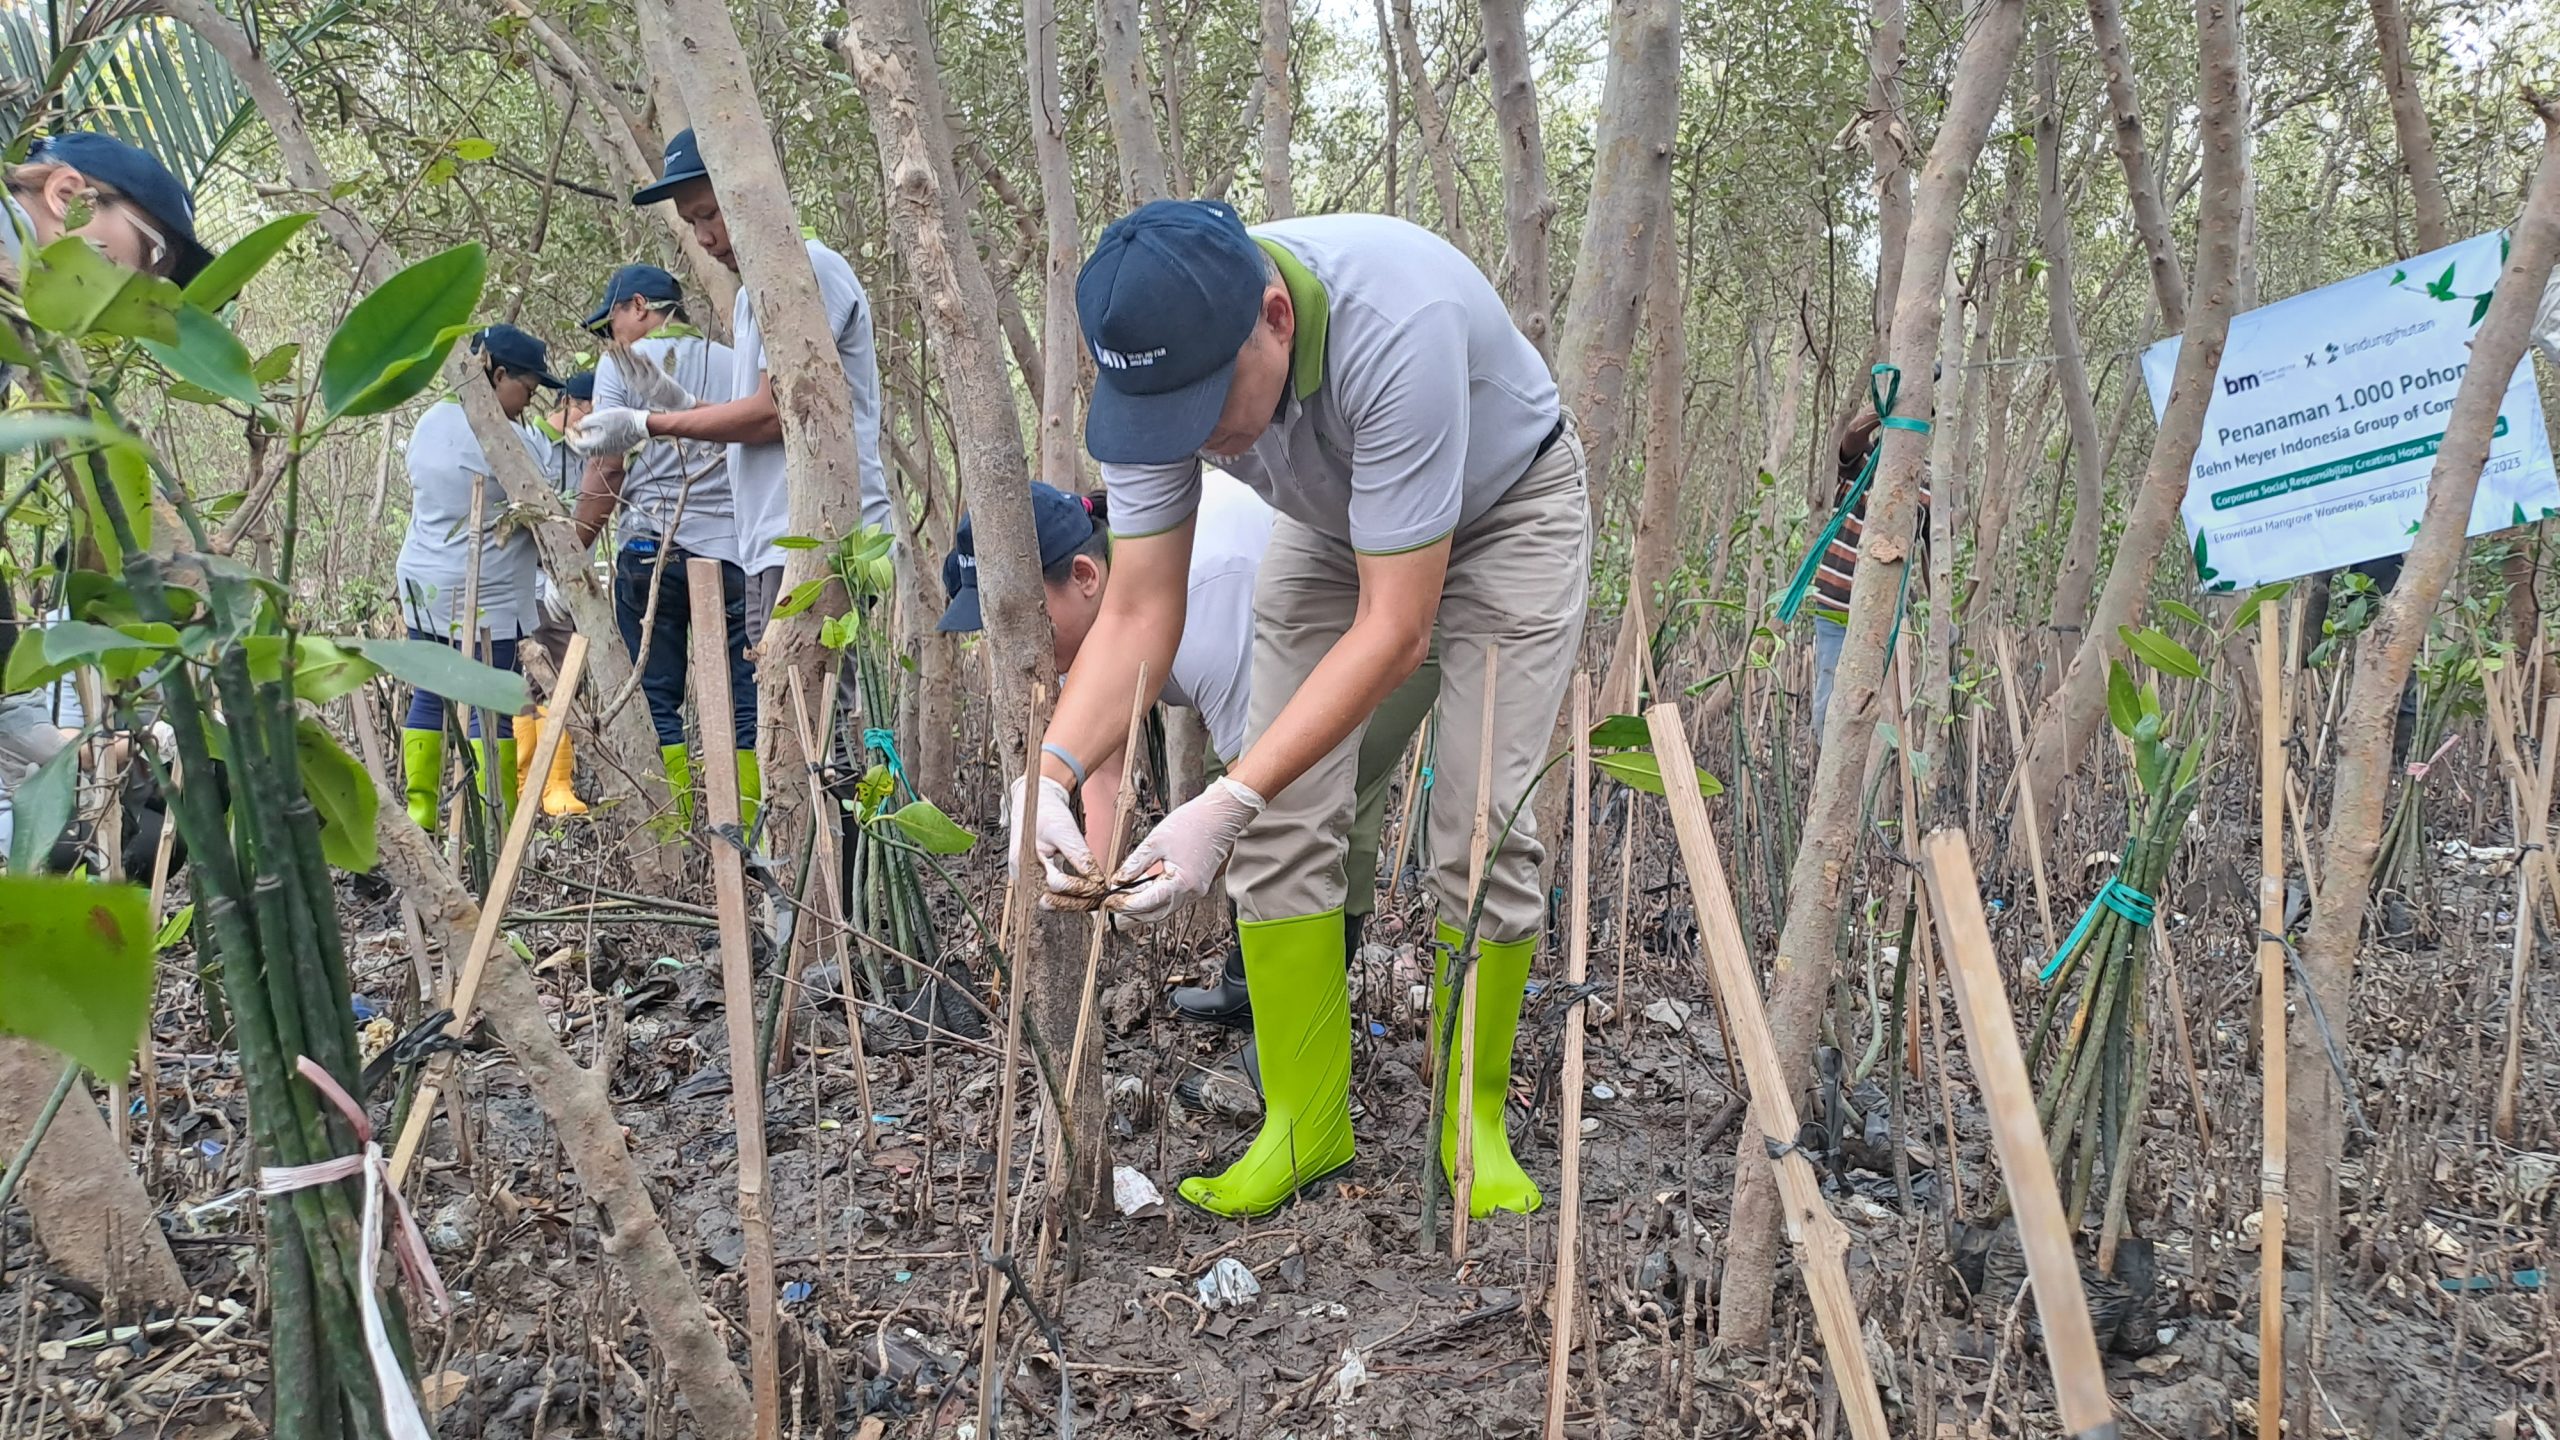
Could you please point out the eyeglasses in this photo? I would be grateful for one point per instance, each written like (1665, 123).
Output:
(133, 215)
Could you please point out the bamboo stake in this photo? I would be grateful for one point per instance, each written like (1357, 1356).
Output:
(1017, 930)
(1123, 805)
(2044, 1233)
(2507, 714)
(1821, 1243)
(1462, 1184)
(2271, 1020)
(830, 877)
(722, 807)
(2026, 793)
(493, 915)
(2530, 834)
(1577, 960)
(1412, 798)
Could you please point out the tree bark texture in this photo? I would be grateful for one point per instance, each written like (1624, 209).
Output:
(2409, 122)
(2079, 573)
(1801, 975)
(1434, 122)
(2076, 711)
(1631, 173)
(2150, 215)
(1528, 213)
(1889, 150)
(87, 1207)
(581, 1113)
(1279, 117)
(2352, 840)
(1061, 447)
(1657, 519)
(1117, 26)
(821, 466)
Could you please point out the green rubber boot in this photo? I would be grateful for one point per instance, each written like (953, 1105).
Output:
(750, 788)
(422, 774)
(505, 761)
(1302, 1027)
(1502, 977)
(679, 765)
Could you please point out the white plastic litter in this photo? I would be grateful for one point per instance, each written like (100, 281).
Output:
(1229, 1285)
(1132, 1191)
(1348, 1379)
(1673, 1013)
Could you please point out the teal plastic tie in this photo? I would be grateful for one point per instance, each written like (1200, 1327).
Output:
(1883, 397)
(2123, 899)
(874, 738)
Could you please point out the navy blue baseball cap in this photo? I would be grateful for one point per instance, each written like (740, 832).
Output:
(646, 281)
(1063, 522)
(518, 351)
(581, 386)
(138, 175)
(683, 162)
(1169, 295)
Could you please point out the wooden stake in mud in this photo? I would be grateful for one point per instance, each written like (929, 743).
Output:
(1123, 806)
(2026, 793)
(1019, 926)
(722, 806)
(2271, 1019)
(493, 915)
(1577, 949)
(1991, 1035)
(1462, 1182)
(2532, 829)
(830, 882)
(1821, 1245)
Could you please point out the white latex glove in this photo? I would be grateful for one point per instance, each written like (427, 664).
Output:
(654, 388)
(1064, 857)
(1185, 850)
(613, 430)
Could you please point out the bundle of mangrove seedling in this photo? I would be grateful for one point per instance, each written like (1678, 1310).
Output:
(2091, 1100)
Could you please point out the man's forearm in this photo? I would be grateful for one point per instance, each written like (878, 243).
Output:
(599, 495)
(1101, 796)
(749, 420)
(1346, 687)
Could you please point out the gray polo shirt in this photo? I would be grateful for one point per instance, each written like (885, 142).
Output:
(445, 464)
(756, 471)
(677, 491)
(1413, 404)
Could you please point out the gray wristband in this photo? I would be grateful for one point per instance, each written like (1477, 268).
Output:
(1074, 766)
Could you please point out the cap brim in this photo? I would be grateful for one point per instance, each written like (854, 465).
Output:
(1124, 429)
(547, 378)
(596, 320)
(665, 189)
(963, 615)
(190, 259)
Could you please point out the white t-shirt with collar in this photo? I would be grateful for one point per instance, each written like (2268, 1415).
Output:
(756, 471)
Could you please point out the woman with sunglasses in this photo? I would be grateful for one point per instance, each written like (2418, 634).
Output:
(123, 200)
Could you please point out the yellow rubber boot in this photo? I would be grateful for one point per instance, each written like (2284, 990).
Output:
(1302, 1029)
(422, 774)
(750, 788)
(528, 733)
(560, 789)
(679, 765)
(1502, 978)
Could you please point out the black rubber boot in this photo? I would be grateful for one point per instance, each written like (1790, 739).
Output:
(1223, 1001)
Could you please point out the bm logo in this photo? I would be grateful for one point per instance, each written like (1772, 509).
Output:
(2239, 384)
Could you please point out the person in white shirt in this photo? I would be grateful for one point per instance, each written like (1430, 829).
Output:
(446, 467)
(676, 503)
(1211, 672)
(751, 423)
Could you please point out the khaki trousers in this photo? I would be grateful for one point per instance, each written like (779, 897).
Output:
(1519, 576)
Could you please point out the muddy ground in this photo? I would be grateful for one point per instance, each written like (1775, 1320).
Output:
(1359, 1330)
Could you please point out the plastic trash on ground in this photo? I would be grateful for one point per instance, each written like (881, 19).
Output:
(1133, 1192)
(1229, 1285)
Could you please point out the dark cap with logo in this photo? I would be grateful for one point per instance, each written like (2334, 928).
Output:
(1063, 523)
(646, 281)
(516, 350)
(1169, 295)
(683, 162)
(139, 176)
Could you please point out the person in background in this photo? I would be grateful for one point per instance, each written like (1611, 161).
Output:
(554, 624)
(675, 504)
(1366, 379)
(446, 468)
(1839, 564)
(751, 424)
(1211, 672)
(137, 213)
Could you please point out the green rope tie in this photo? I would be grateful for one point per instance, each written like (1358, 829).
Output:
(2123, 899)
(875, 738)
(1883, 396)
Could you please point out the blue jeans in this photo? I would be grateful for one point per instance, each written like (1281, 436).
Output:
(426, 708)
(1828, 635)
(663, 669)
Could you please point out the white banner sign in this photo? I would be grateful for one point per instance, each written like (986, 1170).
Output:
(2326, 415)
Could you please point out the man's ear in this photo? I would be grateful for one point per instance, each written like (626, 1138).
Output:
(1278, 312)
(1087, 573)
